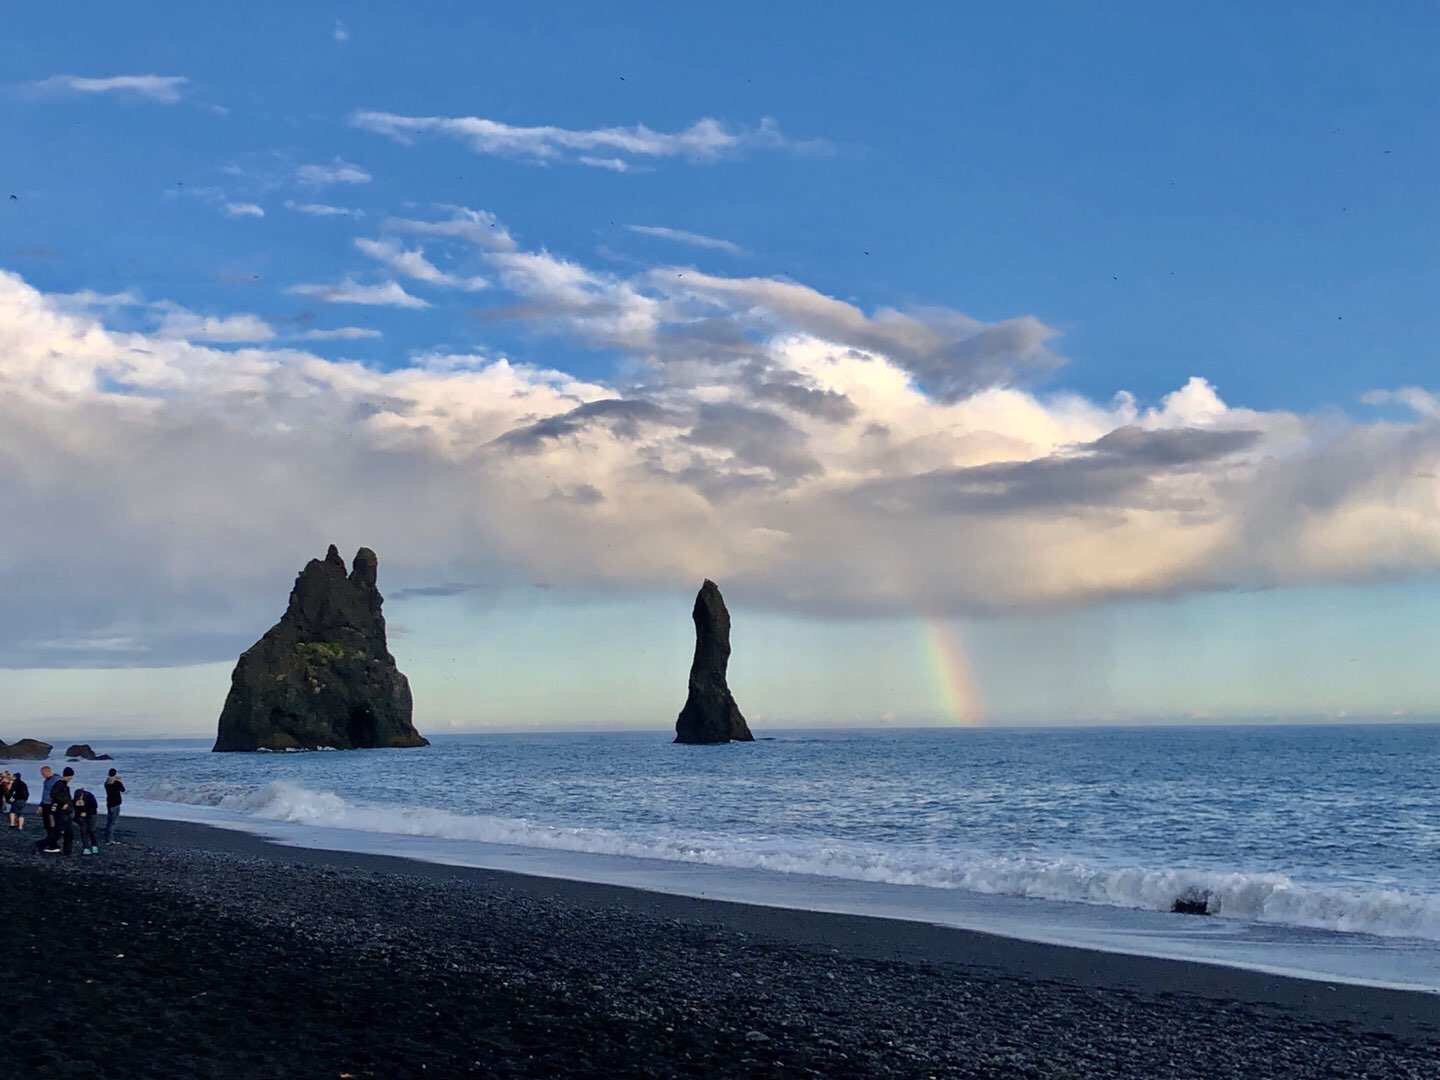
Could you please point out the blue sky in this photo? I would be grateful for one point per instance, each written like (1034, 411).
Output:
(700, 215)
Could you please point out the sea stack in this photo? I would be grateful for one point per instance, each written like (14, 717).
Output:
(25, 750)
(322, 677)
(710, 714)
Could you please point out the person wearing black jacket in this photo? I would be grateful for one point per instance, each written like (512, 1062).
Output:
(114, 792)
(19, 794)
(62, 811)
(85, 810)
(51, 840)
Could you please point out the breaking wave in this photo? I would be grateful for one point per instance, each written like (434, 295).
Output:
(1253, 896)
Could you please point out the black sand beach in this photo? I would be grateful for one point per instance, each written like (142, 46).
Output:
(197, 952)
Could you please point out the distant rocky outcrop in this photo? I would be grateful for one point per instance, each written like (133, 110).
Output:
(710, 714)
(82, 752)
(25, 750)
(323, 675)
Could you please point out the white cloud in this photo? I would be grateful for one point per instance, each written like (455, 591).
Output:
(1419, 401)
(680, 236)
(169, 455)
(950, 353)
(164, 89)
(88, 300)
(479, 228)
(94, 644)
(323, 209)
(177, 322)
(680, 316)
(338, 171)
(412, 263)
(341, 32)
(684, 319)
(571, 298)
(350, 291)
(218, 198)
(409, 263)
(615, 148)
(167, 319)
(340, 333)
(613, 164)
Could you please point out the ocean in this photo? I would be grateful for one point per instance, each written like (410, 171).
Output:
(1315, 847)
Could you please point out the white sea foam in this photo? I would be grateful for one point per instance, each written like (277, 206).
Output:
(1255, 896)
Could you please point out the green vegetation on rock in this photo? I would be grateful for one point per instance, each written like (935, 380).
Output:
(315, 652)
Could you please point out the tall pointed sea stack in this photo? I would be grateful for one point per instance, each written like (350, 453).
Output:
(322, 676)
(710, 714)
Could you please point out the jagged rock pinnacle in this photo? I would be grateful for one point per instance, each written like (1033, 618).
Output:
(323, 675)
(366, 568)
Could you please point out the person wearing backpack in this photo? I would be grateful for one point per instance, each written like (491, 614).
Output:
(114, 792)
(19, 794)
(85, 810)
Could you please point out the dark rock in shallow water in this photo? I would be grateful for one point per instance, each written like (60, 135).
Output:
(1192, 903)
(82, 752)
(710, 714)
(323, 675)
(25, 750)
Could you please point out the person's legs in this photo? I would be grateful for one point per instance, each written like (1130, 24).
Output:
(52, 831)
(112, 815)
(66, 827)
(90, 839)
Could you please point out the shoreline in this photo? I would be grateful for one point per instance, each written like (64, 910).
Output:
(280, 961)
(813, 896)
(862, 936)
(870, 937)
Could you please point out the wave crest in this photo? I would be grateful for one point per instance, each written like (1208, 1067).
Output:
(1268, 897)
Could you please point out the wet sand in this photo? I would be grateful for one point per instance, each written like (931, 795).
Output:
(191, 951)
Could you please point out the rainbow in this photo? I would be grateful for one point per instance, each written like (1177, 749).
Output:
(955, 686)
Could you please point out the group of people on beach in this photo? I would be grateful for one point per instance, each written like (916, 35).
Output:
(66, 808)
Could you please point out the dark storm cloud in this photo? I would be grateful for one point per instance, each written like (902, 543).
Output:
(1117, 470)
(821, 404)
(623, 416)
(756, 438)
(1170, 447)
